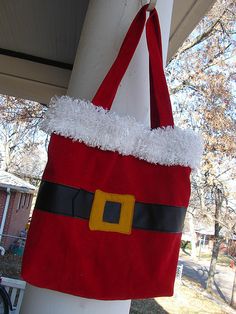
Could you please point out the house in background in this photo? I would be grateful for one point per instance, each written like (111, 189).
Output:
(16, 197)
(204, 235)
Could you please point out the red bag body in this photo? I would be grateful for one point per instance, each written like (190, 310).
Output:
(107, 223)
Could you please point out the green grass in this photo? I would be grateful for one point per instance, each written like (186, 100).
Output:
(222, 259)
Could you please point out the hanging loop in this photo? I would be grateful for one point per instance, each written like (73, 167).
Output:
(151, 6)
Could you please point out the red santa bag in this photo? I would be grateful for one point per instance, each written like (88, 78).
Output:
(111, 206)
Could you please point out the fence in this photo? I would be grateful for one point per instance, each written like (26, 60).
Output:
(179, 272)
(15, 289)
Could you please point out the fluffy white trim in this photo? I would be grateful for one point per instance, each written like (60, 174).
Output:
(80, 120)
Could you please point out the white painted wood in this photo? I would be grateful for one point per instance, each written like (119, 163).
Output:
(105, 25)
(91, 64)
(186, 15)
(104, 28)
(31, 80)
(38, 301)
(24, 35)
(41, 29)
(34, 71)
(9, 282)
(164, 9)
(13, 295)
(28, 89)
(45, 29)
(20, 298)
(16, 287)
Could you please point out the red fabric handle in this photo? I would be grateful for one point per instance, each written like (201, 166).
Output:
(107, 90)
(161, 112)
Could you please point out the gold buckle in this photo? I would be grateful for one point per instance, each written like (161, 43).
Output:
(96, 221)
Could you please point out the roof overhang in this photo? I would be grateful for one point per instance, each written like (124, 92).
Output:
(16, 188)
(12, 182)
(38, 42)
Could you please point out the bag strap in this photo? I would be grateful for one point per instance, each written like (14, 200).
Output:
(107, 90)
(161, 112)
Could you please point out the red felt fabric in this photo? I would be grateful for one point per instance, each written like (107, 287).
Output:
(77, 165)
(64, 255)
(161, 111)
(61, 252)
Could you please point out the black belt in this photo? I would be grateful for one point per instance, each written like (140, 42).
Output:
(68, 201)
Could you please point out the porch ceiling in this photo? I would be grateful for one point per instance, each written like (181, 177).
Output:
(38, 43)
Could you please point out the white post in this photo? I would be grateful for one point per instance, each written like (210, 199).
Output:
(104, 28)
(42, 301)
(103, 31)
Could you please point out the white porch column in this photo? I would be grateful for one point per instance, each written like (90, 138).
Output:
(104, 28)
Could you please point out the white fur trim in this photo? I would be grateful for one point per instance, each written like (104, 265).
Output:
(80, 120)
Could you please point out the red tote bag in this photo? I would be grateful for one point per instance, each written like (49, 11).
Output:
(110, 209)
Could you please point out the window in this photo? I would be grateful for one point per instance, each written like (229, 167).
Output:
(28, 200)
(24, 201)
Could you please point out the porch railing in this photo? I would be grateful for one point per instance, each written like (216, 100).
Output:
(15, 289)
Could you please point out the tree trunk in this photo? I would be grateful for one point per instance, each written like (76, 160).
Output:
(217, 240)
(233, 298)
(212, 269)
(193, 237)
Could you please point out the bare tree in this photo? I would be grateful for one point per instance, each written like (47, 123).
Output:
(233, 298)
(201, 77)
(21, 141)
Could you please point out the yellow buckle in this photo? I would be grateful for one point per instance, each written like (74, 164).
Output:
(96, 221)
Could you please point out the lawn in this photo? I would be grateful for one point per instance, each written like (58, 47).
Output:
(189, 298)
